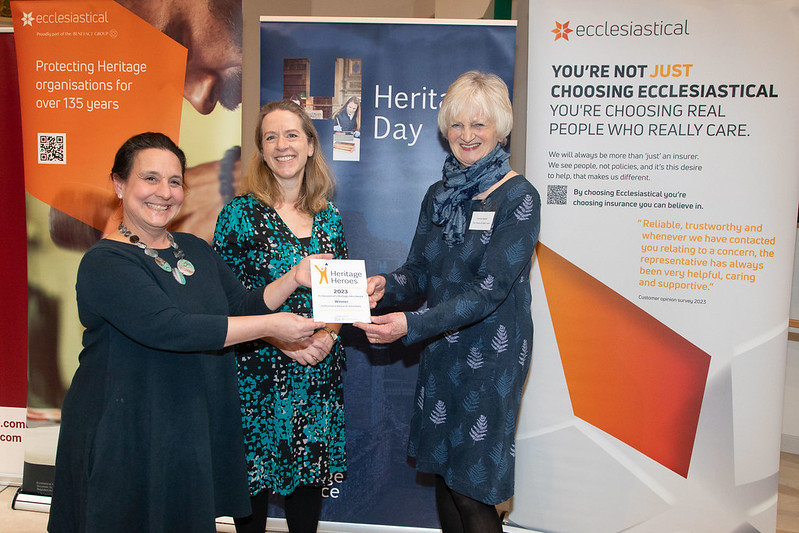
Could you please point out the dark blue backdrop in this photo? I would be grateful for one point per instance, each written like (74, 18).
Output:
(379, 198)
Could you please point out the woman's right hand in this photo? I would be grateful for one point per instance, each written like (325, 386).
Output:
(376, 289)
(289, 328)
(302, 270)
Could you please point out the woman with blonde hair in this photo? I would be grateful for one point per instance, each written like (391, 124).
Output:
(470, 261)
(291, 393)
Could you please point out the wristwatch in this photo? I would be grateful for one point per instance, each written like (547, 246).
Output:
(333, 334)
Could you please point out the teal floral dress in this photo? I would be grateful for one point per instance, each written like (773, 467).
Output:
(292, 415)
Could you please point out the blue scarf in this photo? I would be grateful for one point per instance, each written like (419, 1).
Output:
(461, 184)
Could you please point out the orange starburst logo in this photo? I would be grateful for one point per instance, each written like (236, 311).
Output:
(562, 31)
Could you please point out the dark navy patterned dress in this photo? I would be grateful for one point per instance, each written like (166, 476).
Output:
(293, 415)
(477, 332)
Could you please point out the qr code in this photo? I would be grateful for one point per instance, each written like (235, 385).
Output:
(52, 148)
(556, 194)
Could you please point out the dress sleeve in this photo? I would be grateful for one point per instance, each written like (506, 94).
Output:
(114, 288)
(233, 237)
(240, 300)
(509, 251)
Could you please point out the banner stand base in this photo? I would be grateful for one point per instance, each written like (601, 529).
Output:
(24, 501)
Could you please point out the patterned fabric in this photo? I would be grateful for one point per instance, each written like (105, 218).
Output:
(461, 184)
(293, 415)
(477, 332)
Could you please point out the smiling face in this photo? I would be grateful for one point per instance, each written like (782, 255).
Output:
(285, 146)
(152, 194)
(471, 138)
(352, 107)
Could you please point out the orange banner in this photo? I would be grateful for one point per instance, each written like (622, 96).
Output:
(91, 75)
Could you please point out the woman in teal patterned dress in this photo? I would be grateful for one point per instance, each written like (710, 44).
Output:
(291, 394)
(470, 262)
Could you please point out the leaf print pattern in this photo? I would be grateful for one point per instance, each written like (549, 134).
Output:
(524, 353)
(516, 253)
(500, 340)
(440, 453)
(472, 401)
(439, 413)
(466, 250)
(455, 372)
(431, 250)
(526, 209)
(479, 429)
(465, 308)
(454, 275)
(502, 466)
(476, 339)
(475, 358)
(504, 384)
(510, 422)
(452, 336)
(477, 473)
(456, 437)
(496, 453)
(430, 389)
(485, 238)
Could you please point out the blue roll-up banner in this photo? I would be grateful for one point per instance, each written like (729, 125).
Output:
(385, 155)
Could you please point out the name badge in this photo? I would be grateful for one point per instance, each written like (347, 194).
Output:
(481, 220)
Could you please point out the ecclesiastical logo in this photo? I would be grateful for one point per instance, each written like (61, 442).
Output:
(562, 31)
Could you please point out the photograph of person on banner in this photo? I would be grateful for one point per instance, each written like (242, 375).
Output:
(150, 433)
(348, 118)
(211, 33)
(470, 262)
(292, 397)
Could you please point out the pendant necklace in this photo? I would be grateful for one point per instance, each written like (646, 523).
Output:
(184, 266)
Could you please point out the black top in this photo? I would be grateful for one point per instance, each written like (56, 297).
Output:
(151, 430)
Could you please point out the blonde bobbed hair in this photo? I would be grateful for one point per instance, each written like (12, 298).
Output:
(477, 95)
(318, 183)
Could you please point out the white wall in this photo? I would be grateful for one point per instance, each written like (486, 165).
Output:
(790, 413)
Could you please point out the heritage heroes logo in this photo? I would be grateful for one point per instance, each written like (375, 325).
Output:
(609, 29)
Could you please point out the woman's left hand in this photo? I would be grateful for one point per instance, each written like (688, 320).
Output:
(311, 351)
(385, 329)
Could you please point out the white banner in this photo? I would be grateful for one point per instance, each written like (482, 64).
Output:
(662, 135)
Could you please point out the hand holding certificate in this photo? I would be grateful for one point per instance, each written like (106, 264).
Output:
(338, 289)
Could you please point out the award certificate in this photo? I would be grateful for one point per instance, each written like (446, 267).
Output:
(338, 290)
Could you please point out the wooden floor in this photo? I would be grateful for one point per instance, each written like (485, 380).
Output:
(787, 504)
(788, 499)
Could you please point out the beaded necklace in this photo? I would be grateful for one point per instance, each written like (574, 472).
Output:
(184, 266)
